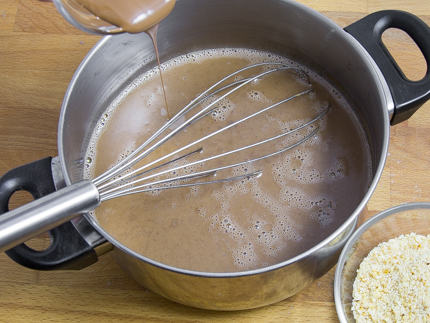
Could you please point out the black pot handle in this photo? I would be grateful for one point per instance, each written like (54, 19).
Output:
(408, 95)
(68, 250)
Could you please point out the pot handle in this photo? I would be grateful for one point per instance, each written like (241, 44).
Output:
(408, 95)
(68, 249)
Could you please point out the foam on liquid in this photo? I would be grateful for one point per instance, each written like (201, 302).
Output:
(303, 196)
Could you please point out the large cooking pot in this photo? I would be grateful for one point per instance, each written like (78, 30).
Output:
(373, 83)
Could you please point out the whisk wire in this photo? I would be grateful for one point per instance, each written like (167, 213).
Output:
(136, 156)
(120, 180)
(119, 194)
(215, 133)
(136, 189)
(214, 170)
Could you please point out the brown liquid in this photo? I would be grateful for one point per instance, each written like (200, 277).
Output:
(133, 16)
(303, 195)
(152, 32)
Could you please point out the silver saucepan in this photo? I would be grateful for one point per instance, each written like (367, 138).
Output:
(353, 58)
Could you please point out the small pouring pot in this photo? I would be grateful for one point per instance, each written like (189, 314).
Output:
(354, 58)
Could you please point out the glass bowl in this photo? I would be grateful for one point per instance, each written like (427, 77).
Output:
(391, 223)
(84, 20)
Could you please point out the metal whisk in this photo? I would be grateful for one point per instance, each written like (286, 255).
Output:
(138, 181)
(23, 223)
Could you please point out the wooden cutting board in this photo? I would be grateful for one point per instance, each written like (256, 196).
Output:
(39, 52)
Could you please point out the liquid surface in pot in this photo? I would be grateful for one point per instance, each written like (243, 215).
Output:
(303, 195)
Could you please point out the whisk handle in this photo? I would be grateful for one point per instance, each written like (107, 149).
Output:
(45, 213)
(407, 95)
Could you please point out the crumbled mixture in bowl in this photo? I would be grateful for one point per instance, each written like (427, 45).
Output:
(393, 282)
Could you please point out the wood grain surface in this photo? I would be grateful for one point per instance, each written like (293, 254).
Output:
(39, 52)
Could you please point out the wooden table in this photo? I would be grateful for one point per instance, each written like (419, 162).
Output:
(39, 53)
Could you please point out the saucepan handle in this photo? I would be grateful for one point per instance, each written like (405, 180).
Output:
(408, 95)
(68, 250)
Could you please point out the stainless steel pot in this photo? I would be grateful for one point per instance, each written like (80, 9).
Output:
(374, 84)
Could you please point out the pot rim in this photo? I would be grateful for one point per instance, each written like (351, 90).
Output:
(386, 101)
